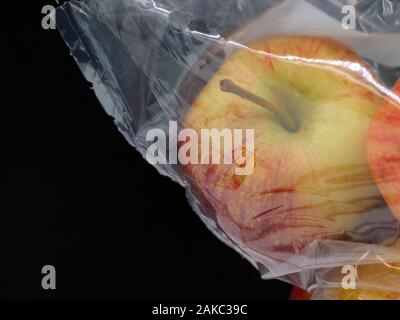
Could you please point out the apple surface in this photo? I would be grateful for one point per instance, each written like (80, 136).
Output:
(311, 181)
(382, 278)
(299, 294)
(350, 294)
(369, 294)
(383, 149)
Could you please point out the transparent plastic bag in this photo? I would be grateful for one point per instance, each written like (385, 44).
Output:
(302, 202)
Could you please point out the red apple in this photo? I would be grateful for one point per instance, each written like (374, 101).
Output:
(299, 294)
(310, 107)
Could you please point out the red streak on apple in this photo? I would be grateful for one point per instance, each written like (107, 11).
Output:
(383, 150)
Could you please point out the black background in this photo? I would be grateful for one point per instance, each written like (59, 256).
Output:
(77, 196)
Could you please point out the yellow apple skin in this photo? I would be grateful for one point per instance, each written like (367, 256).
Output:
(384, 276)
(308, 185)
(365, 294)
(357, 294)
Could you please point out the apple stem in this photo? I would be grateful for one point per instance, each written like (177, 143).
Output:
(281, 113)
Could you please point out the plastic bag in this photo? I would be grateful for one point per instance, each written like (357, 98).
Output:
(288, 89)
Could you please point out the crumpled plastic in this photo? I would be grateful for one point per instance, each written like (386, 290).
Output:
(149, 62)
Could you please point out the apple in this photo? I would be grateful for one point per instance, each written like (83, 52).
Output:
(383, 149)
(368, 294)
(310, 105)
(299, 294)
(349, 294)
(383, 276)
